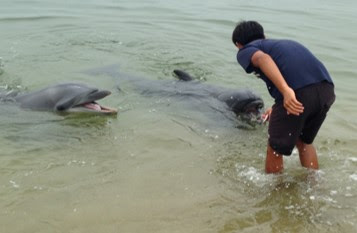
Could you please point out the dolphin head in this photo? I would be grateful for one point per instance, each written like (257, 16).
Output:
(67, 97)
(244, 103)
(82, 99)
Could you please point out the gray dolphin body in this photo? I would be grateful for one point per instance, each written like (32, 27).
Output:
(241, 102)
(67, 97)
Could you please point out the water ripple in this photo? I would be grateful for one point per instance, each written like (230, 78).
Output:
(33, 18)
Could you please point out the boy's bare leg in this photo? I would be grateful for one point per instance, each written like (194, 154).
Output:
(307, 154)
(273, 161)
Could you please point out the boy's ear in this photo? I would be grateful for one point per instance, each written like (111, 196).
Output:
(239, 45)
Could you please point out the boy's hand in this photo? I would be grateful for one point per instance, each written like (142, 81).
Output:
(291, 104)
(266, 115)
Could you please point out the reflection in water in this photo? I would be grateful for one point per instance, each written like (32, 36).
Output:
(28, 131)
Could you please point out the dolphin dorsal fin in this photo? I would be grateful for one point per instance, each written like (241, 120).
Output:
(182, 75)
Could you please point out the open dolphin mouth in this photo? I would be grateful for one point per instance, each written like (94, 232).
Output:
(252, 113)
(95, 107)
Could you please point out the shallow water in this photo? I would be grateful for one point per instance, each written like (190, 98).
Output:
(164, 165)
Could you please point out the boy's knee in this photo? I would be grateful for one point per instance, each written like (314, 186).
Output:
(284, 148)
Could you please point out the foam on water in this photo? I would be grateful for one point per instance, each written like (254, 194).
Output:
(353, 177)
(253, 176)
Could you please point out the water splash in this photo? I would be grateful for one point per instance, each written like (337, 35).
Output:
(253, 176)
(353, 177)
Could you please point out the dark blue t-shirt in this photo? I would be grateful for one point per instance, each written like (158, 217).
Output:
(296, 63)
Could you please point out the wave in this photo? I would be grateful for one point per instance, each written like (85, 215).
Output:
(32, 18)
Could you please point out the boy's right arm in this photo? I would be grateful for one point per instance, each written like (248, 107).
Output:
(267, 65)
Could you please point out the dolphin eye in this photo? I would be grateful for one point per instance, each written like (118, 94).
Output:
(60, 108)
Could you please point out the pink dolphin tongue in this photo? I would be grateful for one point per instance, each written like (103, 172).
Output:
(93, 106)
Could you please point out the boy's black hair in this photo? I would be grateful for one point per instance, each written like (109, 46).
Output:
(247, 31)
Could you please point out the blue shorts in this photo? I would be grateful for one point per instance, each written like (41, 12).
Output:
(285, 130)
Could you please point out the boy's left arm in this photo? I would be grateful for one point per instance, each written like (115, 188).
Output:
(267, 65)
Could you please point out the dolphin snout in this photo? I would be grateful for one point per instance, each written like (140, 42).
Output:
(99, 94)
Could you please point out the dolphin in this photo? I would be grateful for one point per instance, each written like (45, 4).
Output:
(66, 97)
(243, 102)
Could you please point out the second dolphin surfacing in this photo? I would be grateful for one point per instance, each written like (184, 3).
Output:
(239, 101)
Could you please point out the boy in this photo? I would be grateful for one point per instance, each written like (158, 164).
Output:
(301, 86)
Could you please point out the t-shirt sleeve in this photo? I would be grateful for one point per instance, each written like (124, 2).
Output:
(244, 57)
